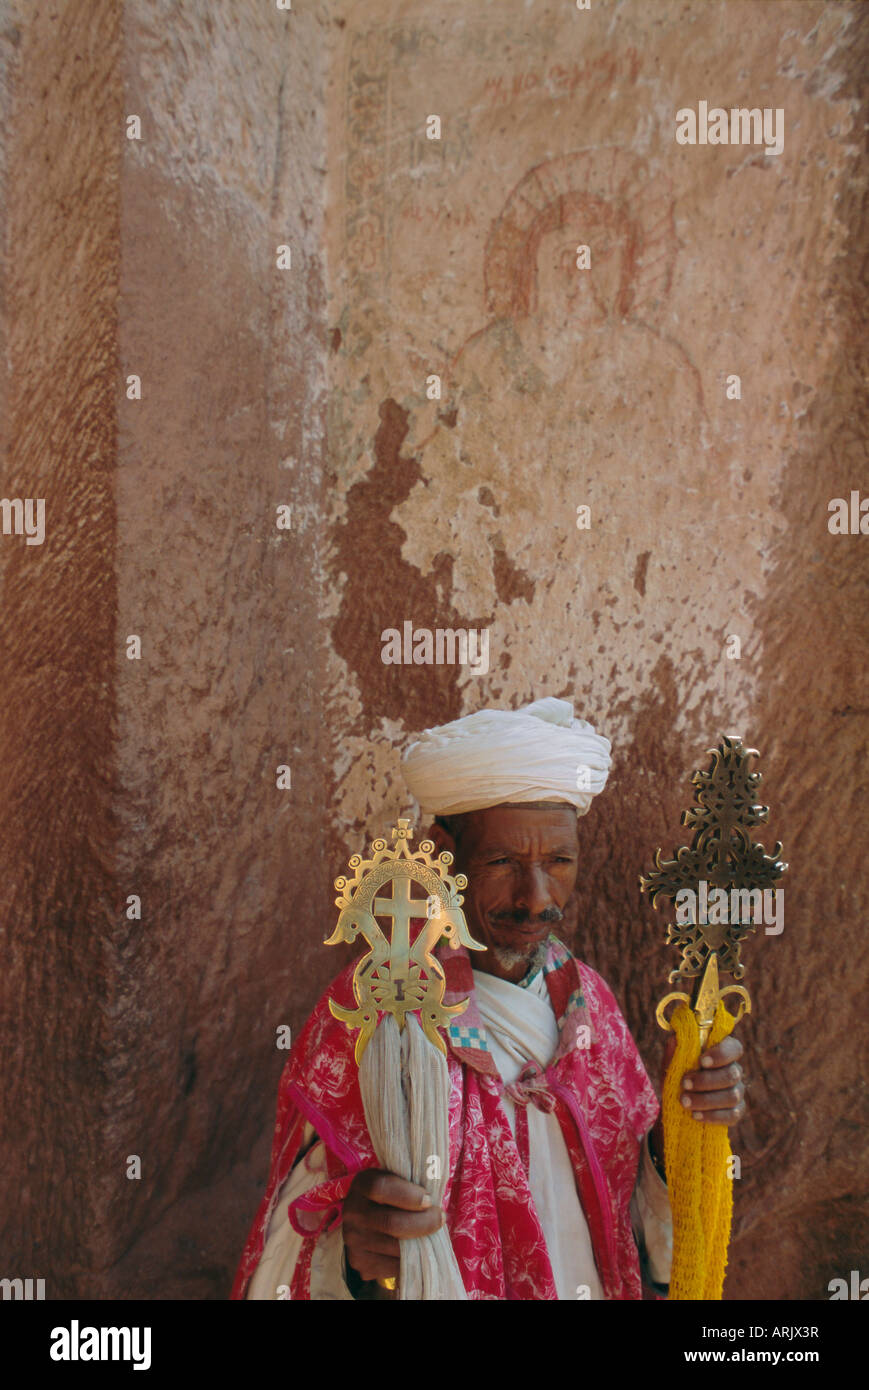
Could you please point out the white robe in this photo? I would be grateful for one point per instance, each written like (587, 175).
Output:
(520, 1027)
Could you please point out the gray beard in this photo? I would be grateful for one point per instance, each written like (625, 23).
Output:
(508, 960)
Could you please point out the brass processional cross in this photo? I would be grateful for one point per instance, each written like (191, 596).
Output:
(722, 870)
(394, 976)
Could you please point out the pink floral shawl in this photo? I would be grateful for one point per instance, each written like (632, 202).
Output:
(595, 1084)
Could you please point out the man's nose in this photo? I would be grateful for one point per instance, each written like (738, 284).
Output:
(532, 893)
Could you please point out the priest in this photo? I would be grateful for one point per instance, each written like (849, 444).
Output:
(555, 1171)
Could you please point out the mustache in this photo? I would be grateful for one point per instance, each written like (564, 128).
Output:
(523, 918)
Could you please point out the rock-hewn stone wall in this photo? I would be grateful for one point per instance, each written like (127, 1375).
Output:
(58, 713)
(156, 777)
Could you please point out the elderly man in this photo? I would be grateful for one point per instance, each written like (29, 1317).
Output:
(556, 1184)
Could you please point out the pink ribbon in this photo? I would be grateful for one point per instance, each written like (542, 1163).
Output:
(530, 1088)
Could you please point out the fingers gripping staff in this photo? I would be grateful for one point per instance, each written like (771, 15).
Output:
(403, 1075)
(713, 882)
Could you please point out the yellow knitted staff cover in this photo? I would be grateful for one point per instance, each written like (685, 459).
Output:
(696, 1156)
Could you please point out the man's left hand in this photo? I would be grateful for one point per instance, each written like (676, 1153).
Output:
(715, 1093)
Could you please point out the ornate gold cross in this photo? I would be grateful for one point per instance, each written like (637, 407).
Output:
(394, 976)
(722, 868)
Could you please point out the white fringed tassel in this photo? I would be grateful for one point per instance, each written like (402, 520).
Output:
(405, 1091)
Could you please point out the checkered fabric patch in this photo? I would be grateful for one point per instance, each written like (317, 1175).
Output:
(468, 1037)
(575, 1001)
(558, 955)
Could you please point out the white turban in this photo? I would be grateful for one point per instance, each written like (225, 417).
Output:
(539, 753)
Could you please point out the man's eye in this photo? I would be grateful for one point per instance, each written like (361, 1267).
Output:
(499, 861)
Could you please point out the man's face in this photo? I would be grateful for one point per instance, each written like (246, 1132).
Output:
(521, 866)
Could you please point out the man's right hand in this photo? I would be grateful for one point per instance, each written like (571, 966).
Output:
(380, 1210)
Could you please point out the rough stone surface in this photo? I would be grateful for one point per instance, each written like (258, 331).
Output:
(561, 388)
(58, 714)
(157, 777)
(231, 351)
